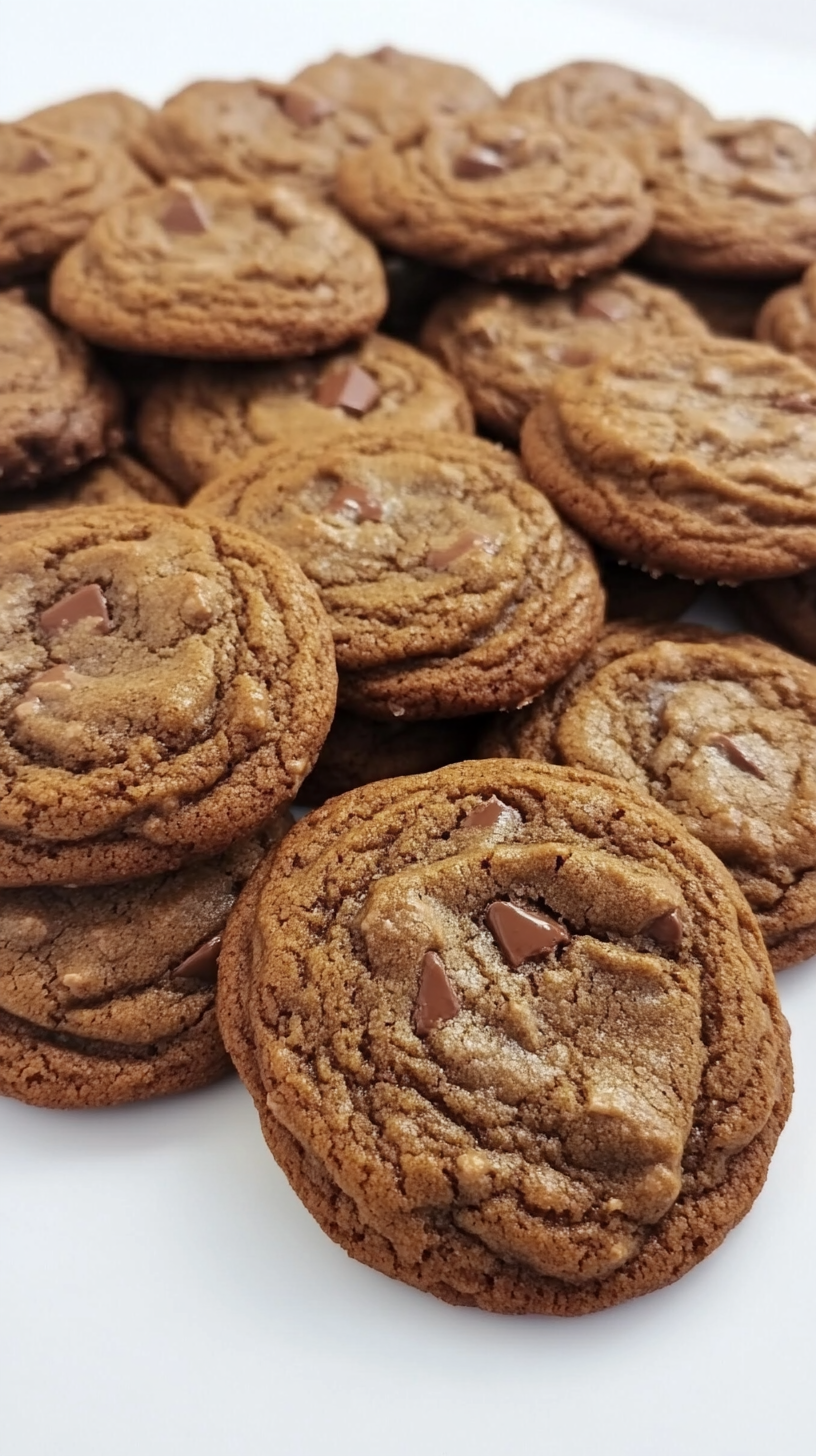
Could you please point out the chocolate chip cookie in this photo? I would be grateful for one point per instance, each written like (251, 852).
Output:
(499, 194)
(252, 131)
(361, 751)
(506, 344)
(697, 459)
(57, 409)
(394, 89)
(51, 188)
(511, 1033)
(735, 199)
(723, 733)
(167, 683)
(107, 994)
(206, 418)
(221, 271)
(788, 319)
(627, 106)
(118, 480)
(103, 118)
(451, 585)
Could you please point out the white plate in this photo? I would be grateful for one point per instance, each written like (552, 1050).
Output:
(161, 1289)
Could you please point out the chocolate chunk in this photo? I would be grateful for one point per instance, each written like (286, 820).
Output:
(485, 815)
(667, 929)
(479, 162)
(386, 55)
(35, 160)
(735, 754)
(351, 389)
(185, 214)
(441, 556)
(436, 1000)
(86, 603)
(521, 934)
(305, 108)
(354, 498)
(62, 676)
(798, 404)
(605, 303)
(202, 965)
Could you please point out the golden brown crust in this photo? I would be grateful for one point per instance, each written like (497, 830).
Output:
(103, 118)
(395, 89)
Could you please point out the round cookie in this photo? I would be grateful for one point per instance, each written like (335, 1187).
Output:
(221, 271)
(735, 199)
(51, 189)
(511, 1033)
(613, 101)
(451, 585)
(788, 319)
(361, 750)
(57, 409)
(167, 683)
(206, 418)
(723, 733)
(116, 480)
(394, 89)
(506, 344)
(698, 459)
(251, 131)
(103, 118)
(499, 194)
(107, 995)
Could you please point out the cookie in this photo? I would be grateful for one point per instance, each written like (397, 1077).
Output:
(107, 995)
(205, 419)
(252, 131)
(788, 319)
(723, 733)
(783, 609)
(360, 751)
(451, 585)
(118, 480)
(394, 89)
(735, 199)
(511, 1033)
(220, 271)
(51, 189)
(500, 195)
(626, 106)
(506, 344)
(167, 683)
(103, 118)
(697, 459)
(57, 408)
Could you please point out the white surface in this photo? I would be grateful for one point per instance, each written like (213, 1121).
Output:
(161, 1289)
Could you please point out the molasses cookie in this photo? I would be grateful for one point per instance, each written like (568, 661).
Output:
(393, 89)
(451, 584)
(512, 1035)
(206, 418)
(218, 270)
(697, 459)
(167, 683)
(505, 344)
(57, 409)
(108, 994)
(499, 194)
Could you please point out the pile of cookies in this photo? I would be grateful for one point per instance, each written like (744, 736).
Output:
(362, 439)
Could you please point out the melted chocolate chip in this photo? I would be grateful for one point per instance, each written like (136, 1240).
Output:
(305, 108)
(479, 162)
(201, 965)
(667, 929)
(88, 603)
(485, 815)
(60, 676)
(605, 303)
(351, 389)
(354, 498)
(441, 556)
(521, 934)
(734, 754)
(798, 404)
(35, 160)
(184, 214)
(436, 999)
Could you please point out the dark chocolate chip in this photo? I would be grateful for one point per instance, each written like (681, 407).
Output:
(521, 934)
(436, 999)
(479, 162)
(36, 159)
(441, 556)
(667, 929)
(88, 603)
(184, 214)
(485, 815)
(201, 965)
(351, 389)
(734, 754)
(305, 108)
(354, 498)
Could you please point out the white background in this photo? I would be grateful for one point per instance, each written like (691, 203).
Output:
(161, 1289)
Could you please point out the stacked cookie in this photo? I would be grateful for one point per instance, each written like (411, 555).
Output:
(328, 409)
